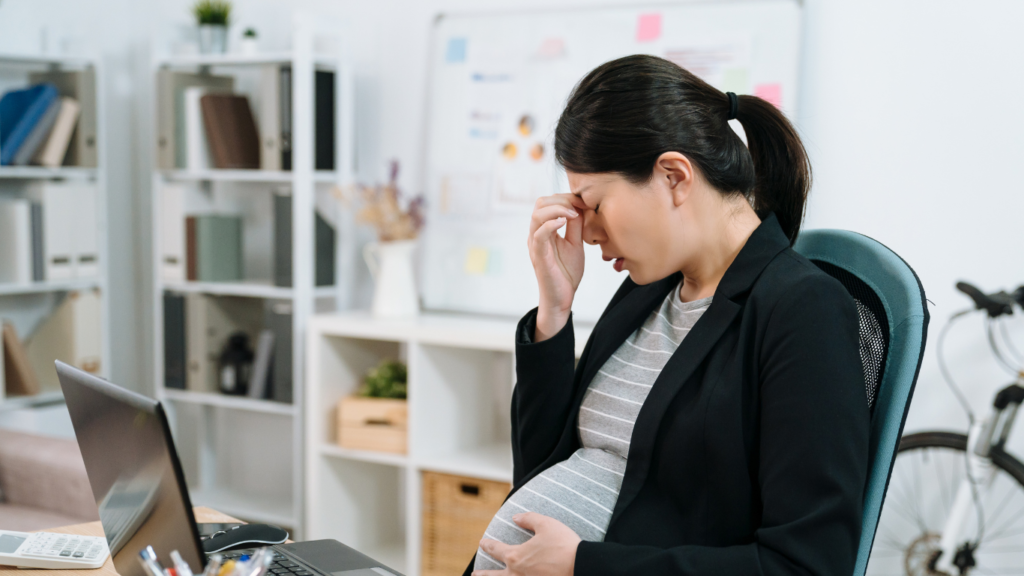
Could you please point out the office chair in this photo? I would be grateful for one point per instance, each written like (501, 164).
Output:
(893, 324)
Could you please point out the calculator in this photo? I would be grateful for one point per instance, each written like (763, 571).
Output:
(52, 550)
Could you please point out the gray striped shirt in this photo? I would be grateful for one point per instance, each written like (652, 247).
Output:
(581, 492)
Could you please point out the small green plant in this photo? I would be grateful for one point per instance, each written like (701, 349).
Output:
(214, 12)
(249, 33)
(388, 380)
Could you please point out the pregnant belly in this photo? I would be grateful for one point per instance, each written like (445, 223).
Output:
(579, 492)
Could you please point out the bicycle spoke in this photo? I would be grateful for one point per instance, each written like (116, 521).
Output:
(1002, 505)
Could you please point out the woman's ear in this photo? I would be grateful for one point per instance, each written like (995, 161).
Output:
(675, 173)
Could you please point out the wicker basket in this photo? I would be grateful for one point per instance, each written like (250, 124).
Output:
(456, 511)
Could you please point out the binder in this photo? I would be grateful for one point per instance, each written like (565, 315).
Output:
(279, 320)
(260, 379)
(20, 111)
(71, 333)
(269, 119)
(86, 233)
(324, 244)
(285, 78)
(213, 244)
(197, 150)
(230, 131)
(324, 128)
(170, 121)
(59, 215)
(175, 362)
(38, 135)
(81, 86)
(172, 233)
(15, 241)
(53, 151)
(38, 247)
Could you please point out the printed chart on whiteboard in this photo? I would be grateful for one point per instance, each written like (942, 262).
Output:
(498, 84)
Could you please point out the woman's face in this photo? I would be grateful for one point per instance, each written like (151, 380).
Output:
(636, 226)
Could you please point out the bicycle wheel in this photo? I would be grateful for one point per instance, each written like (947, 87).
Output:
(928, 470)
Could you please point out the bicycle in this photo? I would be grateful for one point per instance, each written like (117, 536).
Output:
(945, 512)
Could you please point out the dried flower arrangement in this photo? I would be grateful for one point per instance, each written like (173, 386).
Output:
(382, 208)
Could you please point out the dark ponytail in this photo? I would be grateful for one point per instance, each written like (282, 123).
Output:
(626, 113)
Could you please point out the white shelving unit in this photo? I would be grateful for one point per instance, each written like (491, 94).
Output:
(244, 456)
(30, 302)
(461, 374)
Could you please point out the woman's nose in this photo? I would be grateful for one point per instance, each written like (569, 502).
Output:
(593, 232)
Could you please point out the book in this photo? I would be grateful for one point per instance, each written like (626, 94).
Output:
(324, 127)
(197, 149)
(213, 246)
(174, 341)
(81, 86)
(269, 119)
(258, 382)
(20, 111)
(324, 240)
(19, 378)
(51, 154)
(71, 334)
(37, 137)
(170, 121)
(285, 78)
(172, 233)
(230, 131)
(279, 320)
(16, 241)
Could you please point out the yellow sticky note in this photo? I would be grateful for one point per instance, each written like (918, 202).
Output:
(476, 261)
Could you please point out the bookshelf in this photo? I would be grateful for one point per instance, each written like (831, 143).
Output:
(242, 455)
(29, 304)
(461, 375)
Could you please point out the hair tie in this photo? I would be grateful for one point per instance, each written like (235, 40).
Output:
(734, 104)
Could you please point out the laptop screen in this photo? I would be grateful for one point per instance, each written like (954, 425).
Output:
(134, 472)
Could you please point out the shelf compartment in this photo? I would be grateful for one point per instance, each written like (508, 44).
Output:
(489, 462)
(44, 173)
(38, 60)
(251, 289)
(220, 175)
(230, 402)
(50, 286)
(362, 506)
(263, 510)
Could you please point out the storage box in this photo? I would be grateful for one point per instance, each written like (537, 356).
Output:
(373, 424)
(456, 512)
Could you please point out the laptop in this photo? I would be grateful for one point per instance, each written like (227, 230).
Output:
(140, 489)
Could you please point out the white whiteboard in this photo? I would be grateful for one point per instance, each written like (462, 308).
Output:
(483, 172)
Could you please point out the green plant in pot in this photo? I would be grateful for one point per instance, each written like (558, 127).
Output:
(388, 380)
(212, 16)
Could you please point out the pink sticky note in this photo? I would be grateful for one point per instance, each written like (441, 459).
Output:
(648, 27)
(771, 93)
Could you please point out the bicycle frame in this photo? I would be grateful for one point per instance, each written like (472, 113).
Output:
(982, 437)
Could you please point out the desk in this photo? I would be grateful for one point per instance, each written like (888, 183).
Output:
(96, 529)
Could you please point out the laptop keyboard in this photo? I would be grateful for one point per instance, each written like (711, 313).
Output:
(282, 565)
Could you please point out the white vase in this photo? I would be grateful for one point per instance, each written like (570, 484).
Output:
(248, 46)
(213, 39)
(391, 264)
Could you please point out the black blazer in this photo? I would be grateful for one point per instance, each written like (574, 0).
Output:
(750, 454)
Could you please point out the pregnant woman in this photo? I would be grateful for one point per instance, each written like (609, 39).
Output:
(717, 421)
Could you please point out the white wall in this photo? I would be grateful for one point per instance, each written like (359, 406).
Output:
(908, 110)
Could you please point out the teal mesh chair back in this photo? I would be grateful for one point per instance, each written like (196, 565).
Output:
(893, 324)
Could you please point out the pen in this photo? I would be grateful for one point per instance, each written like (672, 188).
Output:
(149, 562)
(180, 567)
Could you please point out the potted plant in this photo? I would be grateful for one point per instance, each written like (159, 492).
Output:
(390, 259)
(376, 417)
(249, 45)
(212, 17)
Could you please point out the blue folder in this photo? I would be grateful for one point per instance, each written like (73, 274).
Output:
(20, 110)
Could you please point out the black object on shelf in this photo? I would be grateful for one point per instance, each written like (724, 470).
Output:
(324, 238)
(324, 125)
(174, 341)
(235, 365)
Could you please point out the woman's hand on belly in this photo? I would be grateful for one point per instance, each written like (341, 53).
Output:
(551, 551)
